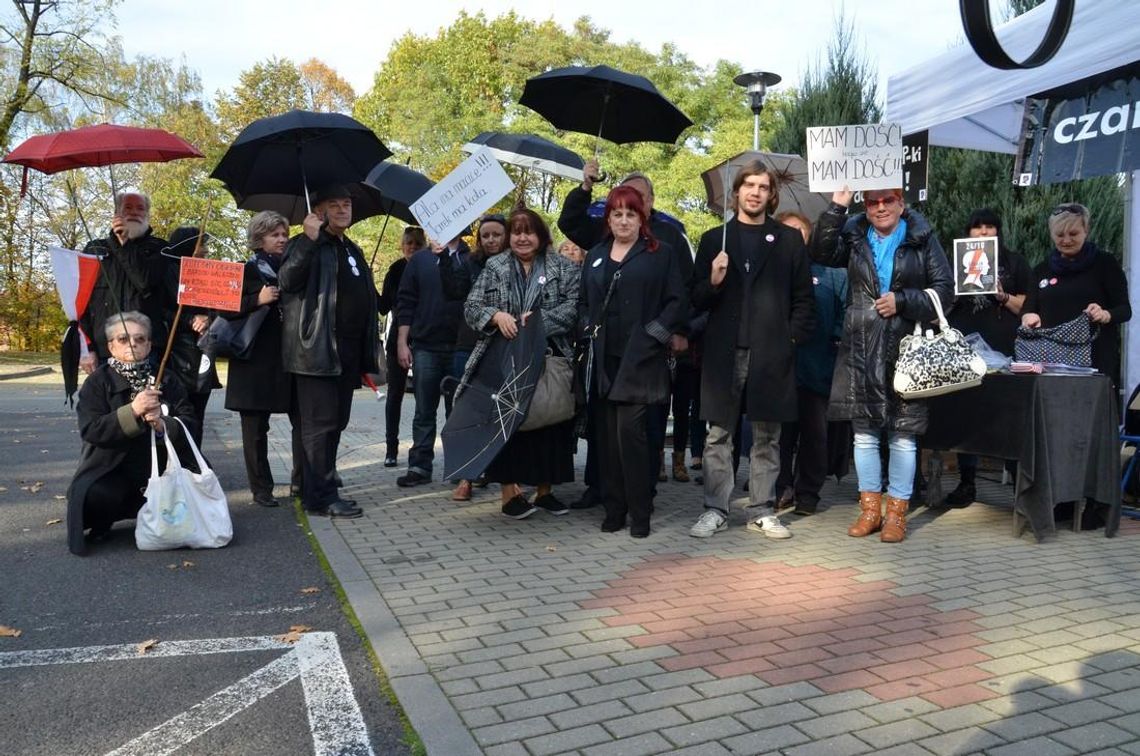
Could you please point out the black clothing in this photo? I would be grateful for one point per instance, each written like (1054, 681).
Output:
(259, 384)
(387, 300)
(1061, 296)
(308, 279)
(134, 273)
(324, 406)
(255, 452)
(116, 446)
(432, 318)
(983, 314)
(394, 399)
(780, 311)
(650, 298)
(626, 463)
(861, 390)
(753, 249)
(355, 291)
(457, 280)
(536, 457)
(197, 375)
(804, 449)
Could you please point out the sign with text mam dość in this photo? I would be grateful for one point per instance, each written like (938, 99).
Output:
(862, 156)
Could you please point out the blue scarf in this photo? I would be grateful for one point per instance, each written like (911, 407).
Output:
(883, 251)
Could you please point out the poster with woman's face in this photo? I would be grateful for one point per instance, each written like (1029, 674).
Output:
(975, 265)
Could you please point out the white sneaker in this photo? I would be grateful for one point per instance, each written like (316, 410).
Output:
(712, 521)
(770, 526)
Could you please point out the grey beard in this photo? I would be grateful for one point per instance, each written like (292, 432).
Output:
(135, 230)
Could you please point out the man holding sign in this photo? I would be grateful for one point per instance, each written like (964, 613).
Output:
(328, 339)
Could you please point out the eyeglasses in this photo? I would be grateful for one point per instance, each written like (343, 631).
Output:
(887, 201)
(123, 339)
(1069, 207)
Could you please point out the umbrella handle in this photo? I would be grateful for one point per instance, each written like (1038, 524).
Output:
(304, 179)
(602, 121)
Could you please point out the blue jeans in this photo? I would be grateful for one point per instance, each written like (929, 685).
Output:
(900, 467)
(429, 368)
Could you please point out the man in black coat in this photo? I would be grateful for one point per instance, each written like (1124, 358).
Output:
(328, 341)
(753, 277)
(130, 276)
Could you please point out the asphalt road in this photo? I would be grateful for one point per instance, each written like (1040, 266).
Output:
(217, 697)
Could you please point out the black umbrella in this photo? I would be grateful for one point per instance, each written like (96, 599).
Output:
(367, 201)
(529, 151)
(600, 100)
(400, 187)
(494, 402)
(295, 153)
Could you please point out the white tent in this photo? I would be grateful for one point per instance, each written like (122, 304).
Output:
(965, 103)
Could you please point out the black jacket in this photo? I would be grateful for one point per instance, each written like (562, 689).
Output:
(308, 294)
(387, 301)
(131, 278)
(185, 356)
(112, 436)
(861, 390)
(651, 298)
(259, 383)
(432, 318)
(781, 314)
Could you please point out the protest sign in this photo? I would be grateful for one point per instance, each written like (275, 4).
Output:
(916, 157)
(865, 156)
(975, 264)
(213, 284)
(447, 209)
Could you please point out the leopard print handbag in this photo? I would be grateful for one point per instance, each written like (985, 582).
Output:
(932, 364)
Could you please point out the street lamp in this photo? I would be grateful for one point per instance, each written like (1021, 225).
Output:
(756, 83)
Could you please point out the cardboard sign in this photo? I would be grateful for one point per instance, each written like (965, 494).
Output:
(213, 284)
(975, 264)
(866, 156)
(462, 196)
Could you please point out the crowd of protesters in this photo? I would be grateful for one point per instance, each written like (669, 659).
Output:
(779, 328)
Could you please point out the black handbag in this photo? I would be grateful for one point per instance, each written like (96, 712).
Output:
(234, 338)
(1069, 343)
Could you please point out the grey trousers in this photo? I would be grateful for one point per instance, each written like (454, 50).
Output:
(764, 461)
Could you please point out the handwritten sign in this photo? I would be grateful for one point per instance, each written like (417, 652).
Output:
(975, 264)
(213, 284)
(866, 156)
(447, 209)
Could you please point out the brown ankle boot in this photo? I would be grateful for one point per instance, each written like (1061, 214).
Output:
(871, 517)
(894, 524)
(679, 471)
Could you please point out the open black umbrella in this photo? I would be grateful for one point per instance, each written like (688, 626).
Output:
(367, 201)
(294, 154)
(529, 151)
(399, 188)
(619, 106)
(494, 402)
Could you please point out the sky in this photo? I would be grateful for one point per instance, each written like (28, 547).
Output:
(221, 38)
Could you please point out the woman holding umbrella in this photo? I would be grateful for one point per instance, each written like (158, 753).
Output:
(632, 301)
(528, 277)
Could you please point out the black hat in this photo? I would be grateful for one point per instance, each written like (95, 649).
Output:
(332, 191)
(183, 239)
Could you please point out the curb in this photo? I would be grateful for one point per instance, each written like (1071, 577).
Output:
(428, 709)
(26, 373)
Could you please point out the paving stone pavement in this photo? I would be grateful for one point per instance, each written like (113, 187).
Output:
(547, 636)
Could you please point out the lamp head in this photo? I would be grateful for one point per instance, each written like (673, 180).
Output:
(756, 83)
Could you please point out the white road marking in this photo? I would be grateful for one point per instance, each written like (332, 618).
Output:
(165, 619)
(335, 720)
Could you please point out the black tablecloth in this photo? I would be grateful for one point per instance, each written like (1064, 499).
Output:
(1062, 430)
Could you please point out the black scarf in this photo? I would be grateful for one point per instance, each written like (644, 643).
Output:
(137, 374)
(268, 265)
(1078, 263)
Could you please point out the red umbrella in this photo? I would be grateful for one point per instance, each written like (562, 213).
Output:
(93, 146)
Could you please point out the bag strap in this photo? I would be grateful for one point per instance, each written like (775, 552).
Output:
(202, 466)
(935, 300)
(606, 302)
(171, 454)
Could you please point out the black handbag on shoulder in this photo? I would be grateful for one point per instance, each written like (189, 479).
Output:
(233, 339)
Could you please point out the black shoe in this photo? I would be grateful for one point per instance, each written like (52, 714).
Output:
(412, 478)
(518, 508)
(337, 479)
(551, 504)
(612, 526)
(961, 497)
(638, 531)
(265, 500)
(338, 509)
(804, 508)
(588, 499)
(390, 459)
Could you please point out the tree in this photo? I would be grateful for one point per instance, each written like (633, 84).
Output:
(269, 88)
(325, 90)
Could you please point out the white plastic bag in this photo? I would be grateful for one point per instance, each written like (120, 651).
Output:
(183, 509)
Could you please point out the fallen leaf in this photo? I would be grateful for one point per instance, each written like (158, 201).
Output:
(37, 486)
(147, 645)
(551, 548)
(171, 566)
(3, 488)
(290, 637)
(311, 589)
(10, 632)
(54, 522)
(57, 497)
(43, 451)
(299, 628)
(187, 563)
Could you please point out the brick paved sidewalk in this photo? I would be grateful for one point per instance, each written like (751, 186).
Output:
(547, 636)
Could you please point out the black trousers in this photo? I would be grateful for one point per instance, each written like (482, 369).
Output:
(199, 402)
(324, 406)
(394, 400)
(685, 388)
(626, 463)
(115, 496)
(255, 449)
(803, 449)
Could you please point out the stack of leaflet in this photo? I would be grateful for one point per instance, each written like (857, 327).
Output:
(1050, 368)
(1026, 367)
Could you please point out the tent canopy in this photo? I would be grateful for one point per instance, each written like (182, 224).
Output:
(965, 103)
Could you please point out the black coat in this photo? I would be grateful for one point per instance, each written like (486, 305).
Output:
(260, 383)
(113, 439)
(861, 390)
(308, 294)
(387, 301)
(782, 313)
(130, 278)
(651, 297)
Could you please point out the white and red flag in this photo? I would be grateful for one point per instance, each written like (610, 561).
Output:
(75, 275)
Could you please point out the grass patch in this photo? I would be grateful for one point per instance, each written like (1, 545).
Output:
(411, 737)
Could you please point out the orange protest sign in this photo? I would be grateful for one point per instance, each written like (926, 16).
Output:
(213, 284)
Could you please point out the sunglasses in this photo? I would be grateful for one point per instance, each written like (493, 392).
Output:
(137, 339)
(888, 201)
(1069, 207)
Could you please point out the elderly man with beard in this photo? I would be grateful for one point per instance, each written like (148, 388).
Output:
(130, 276)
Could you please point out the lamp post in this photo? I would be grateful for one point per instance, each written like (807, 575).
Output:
(756, 83)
